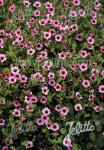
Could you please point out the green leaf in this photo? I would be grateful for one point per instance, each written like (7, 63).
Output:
(92, 137)
(76, 147)
(99, 128)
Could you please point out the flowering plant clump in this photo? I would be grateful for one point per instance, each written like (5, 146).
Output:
(51, 74)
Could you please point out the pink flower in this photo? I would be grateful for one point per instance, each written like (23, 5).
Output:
(63, 27)
(45, 118)
(1, 42)
(33, 99)
(1, 2)
(39, 46)
(14, 70)
(91, 97)
(2, 32)
(21, 17)
(73, 13)
(94, 14)
(36, 13)
(29, 108)
(83, 67)
(76, 2)
(10, 34)
(31, 51)
(81, 12)
(12, 8)
(16, 113)
(2, 57)
(23, 78)
(62, 55)
(58, 108)
(64, 111)
(86, 83)
(55, 23)
(47, 35)
(48, 4)
(47, 65)
(19, 38)
(83, 53)
(94, 21)
(26, 3)
(17, 32)
(44, 54)
(51, 75)
(102, 73)
(66, 3)
(52, 31)
(29, 144)
(16, 103)
(9, 142)
(73, 67)
(34, 31)
(67, 142)
(94, 71)
(78, 107)
(58, 37)
(48, 125)
(40, 121)
(102, 49)
(31, 22)
(16, 42)
(58, 87)
(2, 122)
(27, 100)
(46, 111)
(90, 46)
(51, 82)
(90, 40)
(37, 4)
(74, 27)
(78, 95)
(5, 148)
(42, 79)
(97, 4)
(101, 89)
(51, 10)
(63, 73)
(39, 58)
(97, 108)
(55, 127)
(45, 90)
(42, 22)
(43, 99)
(12, 80)
(49, 21)
(79, 37)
